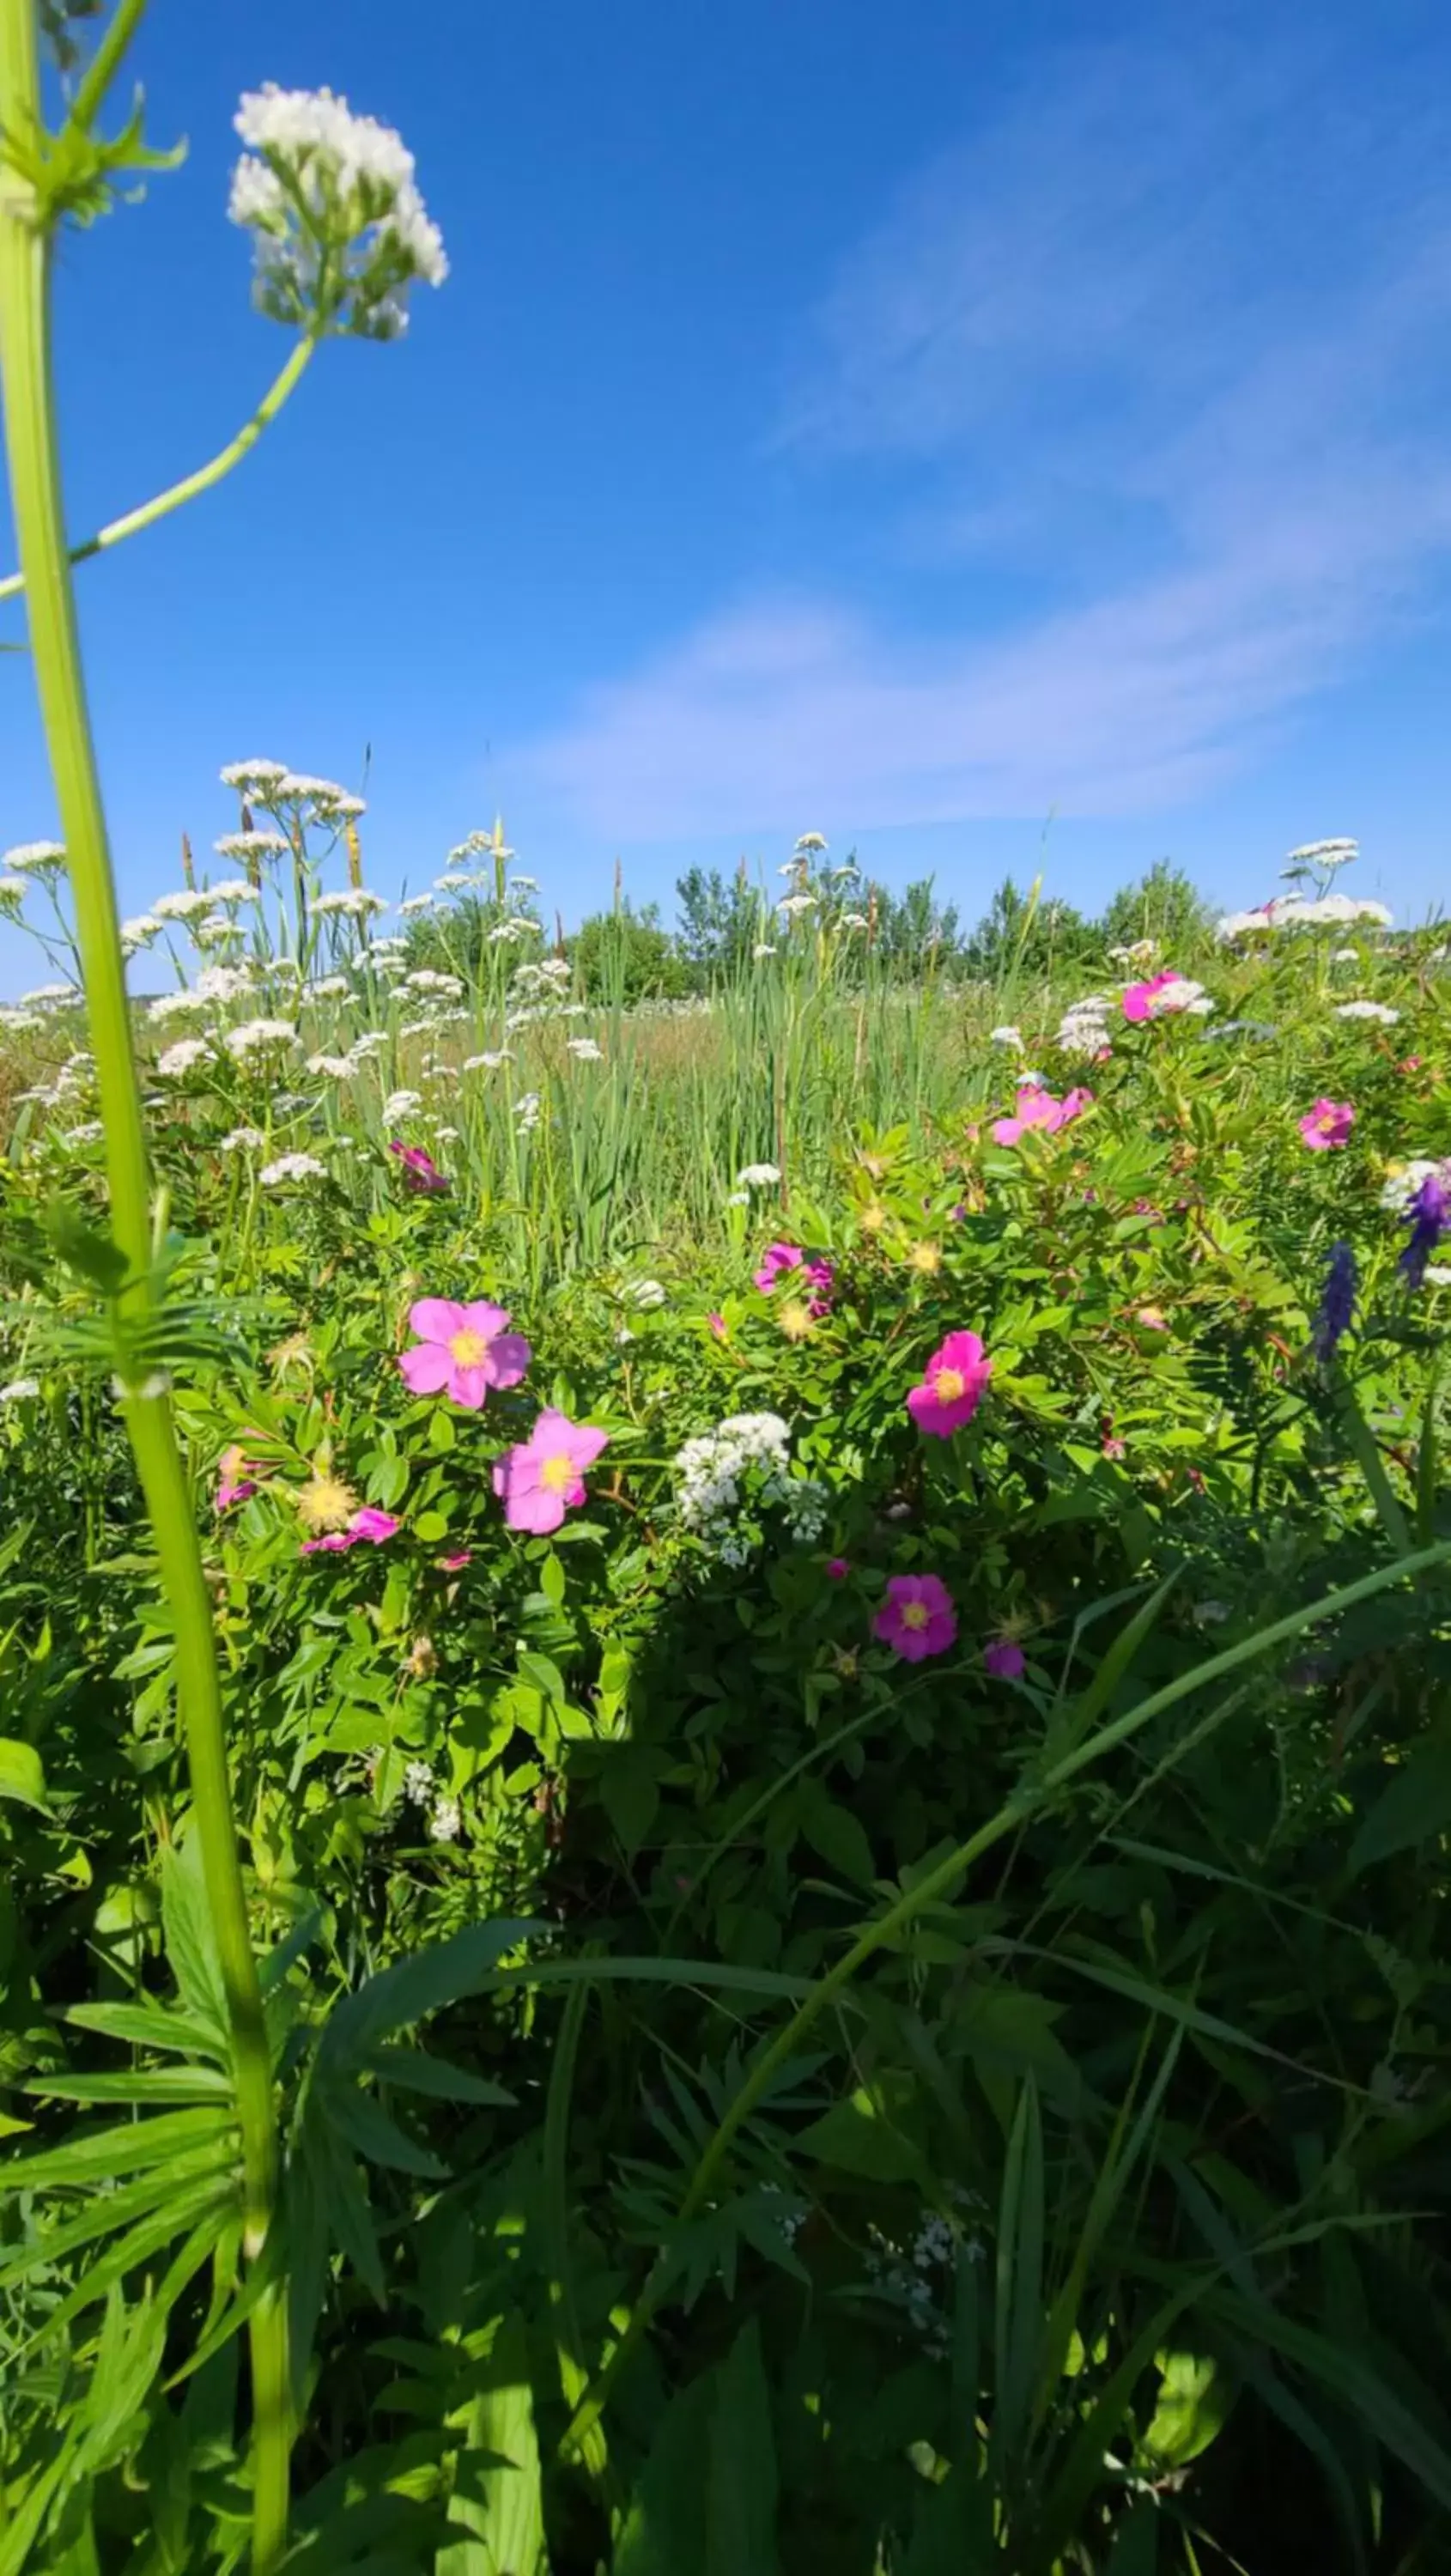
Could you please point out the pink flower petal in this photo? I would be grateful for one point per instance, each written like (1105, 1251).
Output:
(508, 1359)
(427, 1368)
(481, 1317)
(437, 1319)
(469, 1386)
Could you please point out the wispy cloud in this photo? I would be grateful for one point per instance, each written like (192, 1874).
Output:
(1167, 336)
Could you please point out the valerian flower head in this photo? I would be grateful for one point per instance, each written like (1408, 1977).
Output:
(34, 858)
(341, 232)
(253, 777)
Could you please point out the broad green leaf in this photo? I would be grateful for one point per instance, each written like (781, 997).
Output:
(858, 2136)
(839, 1837)
(21, 1777)
(1414, 1806)
(741, 2472)
(1195, 2397)
(499, 2497)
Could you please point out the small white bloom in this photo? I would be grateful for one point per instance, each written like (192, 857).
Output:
(1007, 1036)
(254, 1034)
(338, 1068)
(183, 1057)
(758, 1176)
(186, 904)
(418, 1783)
(646, 1293)
(13, 890)
(89, 1132)
(489, 1061)
(33, 858)
(1379, 1011)
(223, 983)
(854, 921)
(400, 1105)
(355, 901)
(446, 1821)
(328, 988)
(21, 1390)
(242, 1140)
(45, 995)
(738, 1198)
(585, 1050)
(250, 845)
(426, 979)
(793, 905)
(291, 1167)
(1324, 854)
(1437, 1275)
(763, 948)
(140, 930)
(810, 842)
(418, 903)
(253, 777)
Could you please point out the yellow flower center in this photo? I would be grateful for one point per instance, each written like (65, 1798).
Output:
(873, 1217)
(468, 1348)
(925, 1257)
(326, 1503)
(950, 1385)
(795, 1320)
(915, 1615)
(557, 1474)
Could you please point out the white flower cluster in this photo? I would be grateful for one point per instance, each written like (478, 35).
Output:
(188, 903)
(729, 1475)
(12, 892)
(354, 902)
(291, 1167)
(545, 980)
(255, 778)
(1181, 993)
(1083, 1029)
(1380, 1011)
(183, 1057)
(1320, 854)
(1009, 1036)
(255, 1034)
(584, 1050)
(1139, 952)
(1402, 1186)
(1303, 912)
(426, 979)
(33, 858)
(758, 1176)
(341, 230)
(400, 1105)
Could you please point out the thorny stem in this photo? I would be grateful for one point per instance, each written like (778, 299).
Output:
(191, 484)
(27, 382)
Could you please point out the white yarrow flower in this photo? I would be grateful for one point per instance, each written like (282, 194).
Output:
(186, 904)
(254, 1034)
(1379, 1011)
(253, 777)
(291, 1167)
(183, 1057)
(33, 858)
(758, 1176)
(341, 231)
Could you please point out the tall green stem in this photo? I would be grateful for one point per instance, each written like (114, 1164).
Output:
(26, 377)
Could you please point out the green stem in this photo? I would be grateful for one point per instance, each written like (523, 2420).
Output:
(191, 484)
(27, 381)
(931, 1890)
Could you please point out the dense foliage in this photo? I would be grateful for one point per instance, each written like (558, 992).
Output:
(856, 1971)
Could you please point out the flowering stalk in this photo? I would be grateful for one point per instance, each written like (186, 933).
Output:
(133, 521)
(27, 381)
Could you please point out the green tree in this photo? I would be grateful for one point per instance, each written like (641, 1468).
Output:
(721, 920)
(623, 956)
(1031, 933)
(1161, 905)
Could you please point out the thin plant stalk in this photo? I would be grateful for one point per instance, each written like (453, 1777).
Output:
(27, 380)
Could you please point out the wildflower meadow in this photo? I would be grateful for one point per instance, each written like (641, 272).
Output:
(725, 1662)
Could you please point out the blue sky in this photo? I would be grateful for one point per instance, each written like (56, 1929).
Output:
(937, 427)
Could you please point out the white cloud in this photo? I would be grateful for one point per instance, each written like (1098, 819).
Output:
(1169, 334)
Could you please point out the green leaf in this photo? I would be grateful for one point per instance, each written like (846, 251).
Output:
(191, 1946)
(834, 1832)
(859, 2137)
(21, 1777)
(665, 2528)
(1414, 1806)
(417, 2073)
(1136, 2543)
(499, 2496)
(403, 1995)
(741, 2471)
(630, 1792)
(1193, 2406)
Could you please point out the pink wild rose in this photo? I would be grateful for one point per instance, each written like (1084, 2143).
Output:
(953, 1385)
(368, 1524)
(777, 1257)
(1004, 1659)
(462, 1350)
(236, 1478)
(1036, 1107)
(1144, 1001)
(420, 1172)
(542, 1477)
(837, 1569)
(917, 1618)
(1328, 1123)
